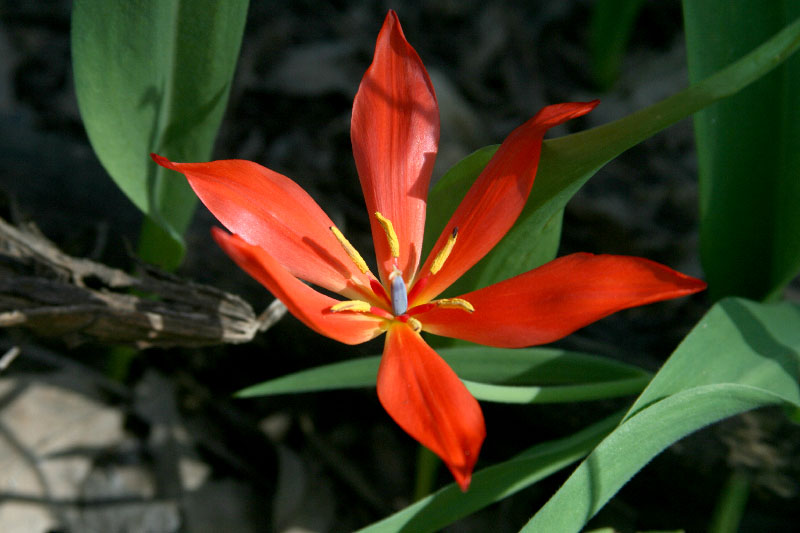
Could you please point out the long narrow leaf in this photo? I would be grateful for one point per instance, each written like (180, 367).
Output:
(609, 32)
(748, 150)
(634, 444)
(494, 483)
(557, 394)
(559, 376)
(567, 162)
(741, 356)
(154, 76)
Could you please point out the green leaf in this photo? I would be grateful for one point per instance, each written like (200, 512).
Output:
(748, 149)
(609, 32)
(494, 483)
(741, 356)
(738, 341)
(559, 375)
(567, 162)
(154, 76)
(557, 394)
(731, 504)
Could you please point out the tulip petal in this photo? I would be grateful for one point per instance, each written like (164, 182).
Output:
(395, 136)
(269, 210)
(550, 302)
(306, 304)
(426, 398)
(495, 200)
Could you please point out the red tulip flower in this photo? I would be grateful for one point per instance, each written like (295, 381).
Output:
(282, 238)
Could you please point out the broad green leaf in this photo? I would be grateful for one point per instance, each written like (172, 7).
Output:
(610, 29)
(741, 356)
(567, 162)
(505, 375)
(494, 483)
(748, 149)
(738, 341)
(154, 76)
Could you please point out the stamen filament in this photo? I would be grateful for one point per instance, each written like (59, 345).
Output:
(455, 303)
(358, 306)
(445, 303)
(391, 236)
(444, 253)
(415, 324)
(350, 250)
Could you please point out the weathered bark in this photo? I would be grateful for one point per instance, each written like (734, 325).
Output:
(56, 295)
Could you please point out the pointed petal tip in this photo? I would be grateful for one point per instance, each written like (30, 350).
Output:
(462, 474)
(550, 302)
(496, 198)
(429, 402)
(395, 137)
(162, 161)
(693, 285)
(556, 114)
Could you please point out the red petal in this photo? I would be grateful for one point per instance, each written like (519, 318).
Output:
(426, 398)
(271, 211)
(395, 136)
(554, 300)
(308, 305)
(497, 197)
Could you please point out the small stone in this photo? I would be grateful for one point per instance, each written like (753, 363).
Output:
(65, 475)
(47, 419)
(17, 475)
(20, 517)
(193, 473)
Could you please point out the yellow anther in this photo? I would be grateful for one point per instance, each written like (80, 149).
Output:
(350, 250)
(444, 253)
(415, 324)
(351, 305)
(455, 303)
(391, 236)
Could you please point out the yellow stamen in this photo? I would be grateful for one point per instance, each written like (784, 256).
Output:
(391, 236)
(455, 303)
(415, 324)
(444, 253)
(351, 305)
(350, 250)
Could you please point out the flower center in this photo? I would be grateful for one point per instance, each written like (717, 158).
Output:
(398, 295)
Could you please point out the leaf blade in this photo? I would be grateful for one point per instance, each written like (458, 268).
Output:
(154, 76)
(756, 363)
(564, 376)
(748, 153)
(568, 162)
(493, 483)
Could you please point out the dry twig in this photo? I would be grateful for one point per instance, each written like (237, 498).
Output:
(54, 294)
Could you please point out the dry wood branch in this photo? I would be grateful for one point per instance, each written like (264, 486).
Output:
(54, 294)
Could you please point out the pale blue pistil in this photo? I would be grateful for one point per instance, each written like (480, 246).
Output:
(399, 295)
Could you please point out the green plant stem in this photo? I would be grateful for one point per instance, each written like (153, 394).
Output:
(730, 506)
(157, 247)
(427, 465)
